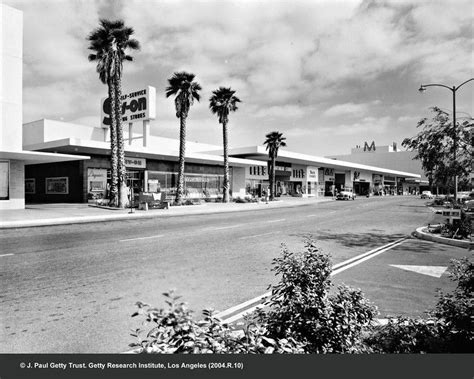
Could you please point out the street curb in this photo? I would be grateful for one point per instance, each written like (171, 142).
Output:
(421, 234)
(135, 216)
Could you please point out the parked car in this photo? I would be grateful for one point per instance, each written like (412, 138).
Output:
(464, 196)
(469, 206)
(346, 195)
(427, 195)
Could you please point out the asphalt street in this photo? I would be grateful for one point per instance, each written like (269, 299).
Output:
(72, 288)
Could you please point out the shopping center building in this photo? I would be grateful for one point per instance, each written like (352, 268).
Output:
(152, 167)
(308, 175)
(390, 156)
(151, 163)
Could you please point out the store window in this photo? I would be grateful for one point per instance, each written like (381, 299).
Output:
(4, 179)
(96, 183)
(57, 186)
(195, 185)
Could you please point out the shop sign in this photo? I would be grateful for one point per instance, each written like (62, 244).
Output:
(131, 162)
(57, 186)
(356, 176)
(96, 179)
(137, 105)
(312, 174)
(195, 179)
(329, 174)
(377, 178)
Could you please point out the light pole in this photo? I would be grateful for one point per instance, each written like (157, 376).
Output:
(453, 89)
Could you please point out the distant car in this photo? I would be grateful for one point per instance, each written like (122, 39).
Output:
(469, 206)
(345, 195)
(464, 196)
(427, 195)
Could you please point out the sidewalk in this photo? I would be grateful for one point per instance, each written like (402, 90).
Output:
(63, 214)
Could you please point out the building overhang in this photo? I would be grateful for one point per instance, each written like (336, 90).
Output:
(79, 146)
(260, 153)
(34, 157)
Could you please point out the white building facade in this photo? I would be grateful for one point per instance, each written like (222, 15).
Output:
(12, 156)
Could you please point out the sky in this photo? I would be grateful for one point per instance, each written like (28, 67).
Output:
(329, 75)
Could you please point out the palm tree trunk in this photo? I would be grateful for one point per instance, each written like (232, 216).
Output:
(121, 172)
(182, 150)
(226, 196)
(272, 184)
(113, 194)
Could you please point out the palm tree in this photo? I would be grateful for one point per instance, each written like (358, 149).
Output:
(181, 84)
(109, 42)
(222, 102)
(274, 141)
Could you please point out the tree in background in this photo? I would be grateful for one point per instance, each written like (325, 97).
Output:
(222, 102)
(434, 145)
(186, 90)
(109, 42)
(273, 142)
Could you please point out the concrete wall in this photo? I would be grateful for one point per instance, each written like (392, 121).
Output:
(11, 66)
(50, 130)
(17, 187)
(238, 182)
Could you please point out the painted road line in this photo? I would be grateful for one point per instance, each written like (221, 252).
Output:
(224, 227)
(280, 220)
(312, 215)
(336, 269)
(360, 256)
(345, 267)
(142, 238)
(256, 235)
(243, 305)
(5, 255)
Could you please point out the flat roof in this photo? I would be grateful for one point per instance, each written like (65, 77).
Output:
(77, 145)
(260, 153)
(34, 157)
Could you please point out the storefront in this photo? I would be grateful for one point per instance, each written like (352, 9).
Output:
(89, 181)
(361, 182)
(312, 181)
(328, 180)
(377, 181)
(256, 181)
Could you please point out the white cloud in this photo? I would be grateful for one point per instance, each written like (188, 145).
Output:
(365, 127)
(346, 109)
(283, 111)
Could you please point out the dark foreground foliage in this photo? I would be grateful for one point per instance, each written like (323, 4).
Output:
(305, 315)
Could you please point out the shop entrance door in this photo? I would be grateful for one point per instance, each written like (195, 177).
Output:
(340, 180)
(135, 181)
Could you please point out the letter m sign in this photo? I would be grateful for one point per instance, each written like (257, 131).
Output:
(370, 147)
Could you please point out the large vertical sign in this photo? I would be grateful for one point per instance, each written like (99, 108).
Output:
(137, 105)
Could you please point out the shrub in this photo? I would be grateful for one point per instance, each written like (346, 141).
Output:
(301, 307)
(173, 330)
